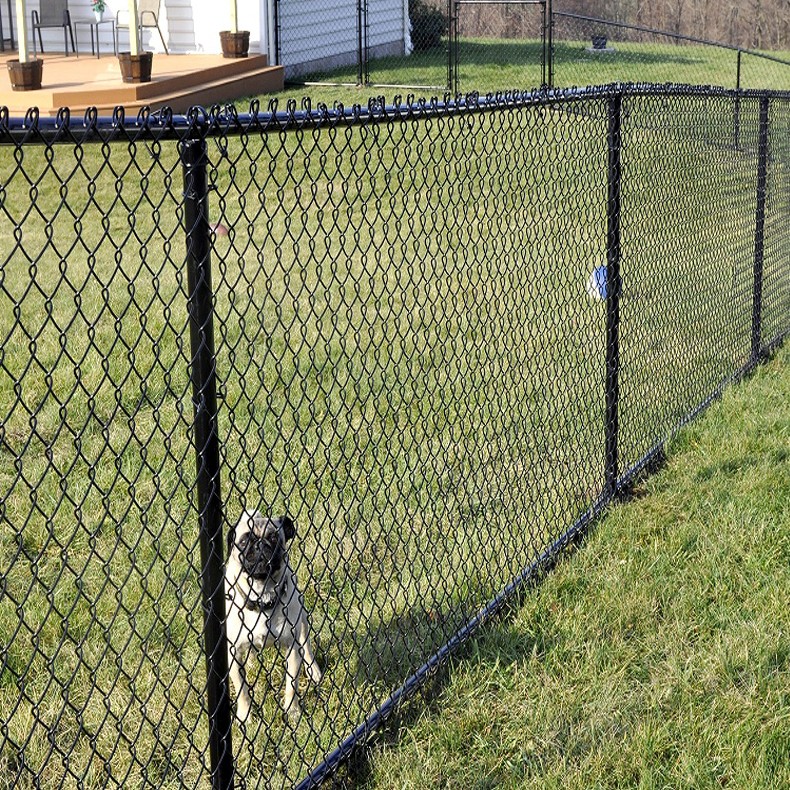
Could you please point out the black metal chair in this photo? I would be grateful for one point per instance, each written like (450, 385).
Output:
(10, 36)
(53, 13)
(148, 16)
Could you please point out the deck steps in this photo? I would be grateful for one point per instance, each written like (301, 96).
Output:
(178, 81)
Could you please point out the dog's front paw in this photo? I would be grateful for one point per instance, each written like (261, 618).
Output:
(314, 671)
(243, 709)
(293, 714)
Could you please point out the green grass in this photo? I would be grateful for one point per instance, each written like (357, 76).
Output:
(409, 365)
(496, 65)
(658, 655)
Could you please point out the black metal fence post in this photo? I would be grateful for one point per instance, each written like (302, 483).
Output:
(738, 102)
(614, 172)
(548, 44)
(452, 45)
(206, 438)
(759, 230)
(363, 74)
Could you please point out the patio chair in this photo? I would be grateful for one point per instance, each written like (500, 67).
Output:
(148, 16)
(53, 13)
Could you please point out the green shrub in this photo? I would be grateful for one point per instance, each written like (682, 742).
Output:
(428, 25)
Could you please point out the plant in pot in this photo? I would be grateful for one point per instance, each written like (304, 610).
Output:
(235, 42)
(98, 7)
(135, 65)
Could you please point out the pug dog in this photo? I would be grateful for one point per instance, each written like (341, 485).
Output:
(265, 606)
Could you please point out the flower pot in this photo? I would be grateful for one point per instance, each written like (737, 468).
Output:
(235, 45)
(136, 68)
(25, 76)
(99, 16)
(599, 42)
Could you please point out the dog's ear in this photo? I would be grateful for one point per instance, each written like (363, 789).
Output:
(230, 538)
(288, 527)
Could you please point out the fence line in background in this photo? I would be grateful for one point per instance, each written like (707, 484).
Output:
(449, 35)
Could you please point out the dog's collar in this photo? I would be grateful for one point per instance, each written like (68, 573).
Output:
(264, 603)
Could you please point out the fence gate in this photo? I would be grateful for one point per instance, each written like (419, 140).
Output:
(496, 32)
(421, 59)
(366, 42)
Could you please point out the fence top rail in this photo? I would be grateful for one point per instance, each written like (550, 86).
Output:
(669, 34)
(222, 121)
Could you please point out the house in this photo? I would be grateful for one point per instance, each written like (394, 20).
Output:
(302, 35)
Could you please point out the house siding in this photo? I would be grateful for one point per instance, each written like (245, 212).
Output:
(316, 36)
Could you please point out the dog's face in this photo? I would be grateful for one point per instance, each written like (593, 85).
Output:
(259, 544)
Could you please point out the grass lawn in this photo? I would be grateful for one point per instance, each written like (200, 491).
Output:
(497, 65)
(658, 655)
(409, 365)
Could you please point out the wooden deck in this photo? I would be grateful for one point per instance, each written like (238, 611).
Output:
(177, 81)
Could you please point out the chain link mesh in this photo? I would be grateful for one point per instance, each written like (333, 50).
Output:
(410, 346)
(492, 45)
(590, 51)
(498, 44)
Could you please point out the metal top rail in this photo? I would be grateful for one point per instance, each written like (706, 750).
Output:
(225, 120)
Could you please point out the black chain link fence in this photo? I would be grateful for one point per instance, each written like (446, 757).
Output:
(366, 42)
(494, 43)
(491, 45)
(590, 51)
(442, 337)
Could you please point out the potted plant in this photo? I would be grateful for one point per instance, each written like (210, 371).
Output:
(98, 7)
(24, 72)
(235, 42)
(135, 65)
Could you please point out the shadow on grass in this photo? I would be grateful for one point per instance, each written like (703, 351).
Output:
(387, 651)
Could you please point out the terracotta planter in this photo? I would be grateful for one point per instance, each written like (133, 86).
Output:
(136, 68)
(25, 76)
(235, 45)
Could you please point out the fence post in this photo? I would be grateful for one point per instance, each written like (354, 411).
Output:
(759, 230)
(738, 103)
(363, 74)
(206, 436)
(452, 46)
(613, 284)
(548, 44)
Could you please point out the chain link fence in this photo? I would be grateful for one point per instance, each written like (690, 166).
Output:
(590, 51)
(494, 45)
(489, 35)
(366, 42)
(441, 337)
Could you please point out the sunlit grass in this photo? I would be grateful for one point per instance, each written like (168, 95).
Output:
(499, 65)
(657, 655)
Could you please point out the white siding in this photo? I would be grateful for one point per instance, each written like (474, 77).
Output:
(195, 24)
(317, 33)
(385, 20)
(322, 34)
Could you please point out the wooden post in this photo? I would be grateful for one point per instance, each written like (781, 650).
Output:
(21, 28)
(134, 29)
